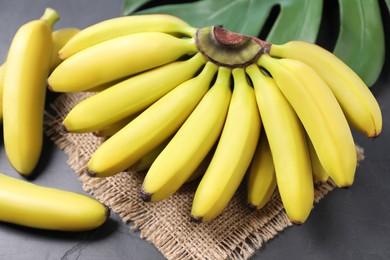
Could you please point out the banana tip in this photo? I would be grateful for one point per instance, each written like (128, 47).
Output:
(145, 196)
(108, 211)
(296, 223)
(196, 220)
(63, 129)
(252, 206)
(90, 173)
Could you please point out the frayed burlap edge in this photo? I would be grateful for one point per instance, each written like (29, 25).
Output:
(235, 234)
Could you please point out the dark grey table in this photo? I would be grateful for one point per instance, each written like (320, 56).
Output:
(347, 224)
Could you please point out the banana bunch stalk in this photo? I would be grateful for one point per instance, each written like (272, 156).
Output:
(186, 100)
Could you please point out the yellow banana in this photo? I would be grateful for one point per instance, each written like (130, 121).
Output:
(287, 142)
(319, 174)
(118, 58)
(358, 103)
(60, 38)
(320, 114)
(30, 205)
(233, 154)
(261, 182)
(125, 25)
(190, 145)
(129, 96)
(151, 127)
(26, 71)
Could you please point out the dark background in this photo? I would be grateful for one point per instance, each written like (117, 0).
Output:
(347, 224)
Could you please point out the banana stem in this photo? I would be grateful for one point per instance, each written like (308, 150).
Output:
(50, 16)
(227, 48)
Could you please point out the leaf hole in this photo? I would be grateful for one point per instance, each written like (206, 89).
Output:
(152, 4)
(269, 22)
(330, 25)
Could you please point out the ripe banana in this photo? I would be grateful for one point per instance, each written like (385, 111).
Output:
(358, 103)
(319, 173)
(191, 144)
(287, 142)
(129, 96)
(150, 128)
(121, 26)
(233, 154)
(60, 38)
(126, 55)
(320, 114)
(261, 182)
(30, 205)
(27, 68)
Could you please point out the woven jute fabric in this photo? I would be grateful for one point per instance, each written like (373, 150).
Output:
(235, 234)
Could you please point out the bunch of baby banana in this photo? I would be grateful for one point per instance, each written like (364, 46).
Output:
(32, 56)
(184, 103)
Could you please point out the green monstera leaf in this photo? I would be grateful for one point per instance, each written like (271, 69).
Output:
(360, 40)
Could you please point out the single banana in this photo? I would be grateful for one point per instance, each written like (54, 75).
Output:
(125, 25)
(60, 38)
(118, 58)
(233, 154)
(261, 183)
(320, 114)
(191, 144)
(287, 142)
(150, 128)
(129, 96)
(31, 205)
(24, 92)
(355, 98)
(319, 173)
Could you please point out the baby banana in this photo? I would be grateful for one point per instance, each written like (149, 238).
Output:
(233, 154)
(261, 182)
(26, 71)
(355, 98)
(191, 144)
(319, 173)
(126, 55)
(287, 142)
(125, 25)
(30, 205)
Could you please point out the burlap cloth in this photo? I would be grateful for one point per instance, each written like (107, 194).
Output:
(235, 234)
